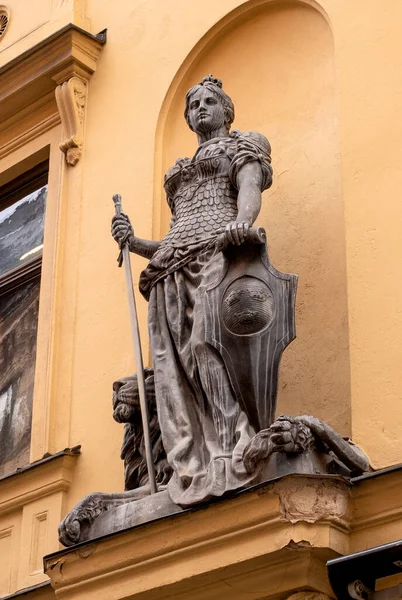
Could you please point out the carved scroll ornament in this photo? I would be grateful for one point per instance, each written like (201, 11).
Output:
(71, 99)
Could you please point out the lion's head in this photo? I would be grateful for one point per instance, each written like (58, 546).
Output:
(126, 400)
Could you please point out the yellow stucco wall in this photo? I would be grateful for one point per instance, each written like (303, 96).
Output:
(322, 81)
(293, 75)
(283, 84)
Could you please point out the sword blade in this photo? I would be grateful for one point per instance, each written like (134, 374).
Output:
(135, 333)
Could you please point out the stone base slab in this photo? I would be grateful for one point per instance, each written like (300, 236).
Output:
(267, 543)
(122, 517)
(159, 505)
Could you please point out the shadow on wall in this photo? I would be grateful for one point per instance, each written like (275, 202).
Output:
(277, 64)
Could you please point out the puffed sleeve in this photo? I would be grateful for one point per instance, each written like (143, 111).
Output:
(172, 180)
(252, 146)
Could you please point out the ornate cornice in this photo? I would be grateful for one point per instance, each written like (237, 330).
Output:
(62, 64)
(271, 541)
(47, 476)
(243, 544)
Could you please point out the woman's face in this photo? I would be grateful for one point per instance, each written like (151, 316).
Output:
(205, 111)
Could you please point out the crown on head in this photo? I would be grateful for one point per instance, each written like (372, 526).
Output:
(210, 79)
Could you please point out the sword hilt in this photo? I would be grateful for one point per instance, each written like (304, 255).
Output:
(118, 209)
(117, 203)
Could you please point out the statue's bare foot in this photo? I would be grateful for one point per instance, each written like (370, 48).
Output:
(86, 511)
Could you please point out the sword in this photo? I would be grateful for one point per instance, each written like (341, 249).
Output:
(124, 258)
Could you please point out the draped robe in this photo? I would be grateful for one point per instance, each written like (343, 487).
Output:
(204, 428)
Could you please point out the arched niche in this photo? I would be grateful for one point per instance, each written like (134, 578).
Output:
(277, 63)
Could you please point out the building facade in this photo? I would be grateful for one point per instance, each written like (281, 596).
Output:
(91, 104)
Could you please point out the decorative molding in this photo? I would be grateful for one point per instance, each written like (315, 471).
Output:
(377, 507)
(62, 64)
(29, 134)
(48, 476)
(4, 20)
(308, 596)
(71, 97)
(6, 541)
(242, 543)
(41, 591)
(38, 542)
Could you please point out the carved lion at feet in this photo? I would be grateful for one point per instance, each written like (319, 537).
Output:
(295, 435)
(126, 409)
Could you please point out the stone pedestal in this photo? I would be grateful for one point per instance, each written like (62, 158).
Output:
(147, 509)
(269, 542)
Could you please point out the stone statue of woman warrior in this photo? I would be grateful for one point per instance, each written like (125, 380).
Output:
(220, 316)
(204, 419)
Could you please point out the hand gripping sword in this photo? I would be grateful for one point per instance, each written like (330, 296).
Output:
(124, 258)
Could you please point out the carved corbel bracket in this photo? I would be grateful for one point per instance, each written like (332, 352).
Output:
(62, 63)
(71, 97)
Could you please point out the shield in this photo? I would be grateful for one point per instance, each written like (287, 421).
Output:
(249, 313)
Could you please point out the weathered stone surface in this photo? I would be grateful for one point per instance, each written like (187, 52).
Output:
(304, 463)
(128, 515)
(126, 409)
(220, 316)
(308, 499)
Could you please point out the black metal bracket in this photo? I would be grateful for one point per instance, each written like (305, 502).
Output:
(353, 577)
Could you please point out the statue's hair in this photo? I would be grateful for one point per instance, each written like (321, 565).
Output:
(214, 85)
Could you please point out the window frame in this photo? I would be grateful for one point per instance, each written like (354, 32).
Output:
(10, 193)
(20, 275)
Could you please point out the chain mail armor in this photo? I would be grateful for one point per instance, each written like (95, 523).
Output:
(204, 204)
(202, 195)
(202, 192)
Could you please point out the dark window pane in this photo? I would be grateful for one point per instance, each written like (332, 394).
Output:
(18, 327)
(21, 230)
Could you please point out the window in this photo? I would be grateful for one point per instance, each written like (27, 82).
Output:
(22, 213)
